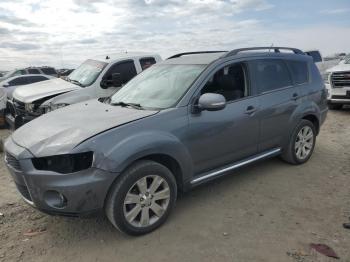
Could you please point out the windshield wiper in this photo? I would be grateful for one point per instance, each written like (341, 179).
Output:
(74, 81)
(123, 104)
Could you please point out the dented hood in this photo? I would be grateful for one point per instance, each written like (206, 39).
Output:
(60, 131)
(35, 91)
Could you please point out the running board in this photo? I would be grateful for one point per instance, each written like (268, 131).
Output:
(220, 171)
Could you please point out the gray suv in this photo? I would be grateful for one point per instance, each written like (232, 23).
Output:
(185, 121)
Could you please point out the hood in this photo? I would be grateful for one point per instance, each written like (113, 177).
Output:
(339, 68)
(70, 98)
(58, 132)
(35, 91)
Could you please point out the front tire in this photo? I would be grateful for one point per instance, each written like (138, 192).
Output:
(301, 144)
(142, 198)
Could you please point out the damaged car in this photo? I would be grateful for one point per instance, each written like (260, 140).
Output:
(187, 120)
(94, 78)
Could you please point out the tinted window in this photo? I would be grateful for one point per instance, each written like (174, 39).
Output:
(270, 74)
(33, 71)
(126, 70)
(34, 79)
(48, 71)
(147, 62)
(229, 81)
(299, 71)
(18, 81)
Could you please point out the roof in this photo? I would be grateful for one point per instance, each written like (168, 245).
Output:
(207, 58)
(125, 55)
(199, 59)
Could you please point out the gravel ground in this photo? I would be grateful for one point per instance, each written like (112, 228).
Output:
(269, 211)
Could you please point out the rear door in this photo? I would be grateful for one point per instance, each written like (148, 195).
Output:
(278, 99)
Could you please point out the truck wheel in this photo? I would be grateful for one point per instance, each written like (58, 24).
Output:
(335, 106)
(301, 144)
(142, 198)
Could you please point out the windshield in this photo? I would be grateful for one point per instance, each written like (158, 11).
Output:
(87, 72)
(159, 87)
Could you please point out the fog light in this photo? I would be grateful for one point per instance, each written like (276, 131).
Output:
(55, 199)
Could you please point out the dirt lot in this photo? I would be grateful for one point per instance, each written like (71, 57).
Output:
(270, 211)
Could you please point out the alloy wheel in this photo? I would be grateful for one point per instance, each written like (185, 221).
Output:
(304, 142)
(146, 201)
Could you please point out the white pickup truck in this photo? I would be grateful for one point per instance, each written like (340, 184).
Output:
(97, 77)
(337, 81)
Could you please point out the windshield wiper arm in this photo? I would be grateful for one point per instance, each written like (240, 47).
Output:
(123, 104)
(75, 82)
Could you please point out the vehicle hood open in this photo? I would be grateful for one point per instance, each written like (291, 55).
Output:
(58, 132)
(35, 91)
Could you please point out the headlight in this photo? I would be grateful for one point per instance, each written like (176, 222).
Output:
(57, 106)
(64, 164)
(29, 107)
(326, 77)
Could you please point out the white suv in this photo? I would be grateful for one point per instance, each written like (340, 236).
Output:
(337, 80)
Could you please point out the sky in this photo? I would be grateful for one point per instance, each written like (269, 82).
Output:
(63, 33)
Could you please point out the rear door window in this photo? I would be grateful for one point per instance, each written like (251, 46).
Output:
(299, 70)
(33, 71)
(270, 74)
(146, 62)
(49, 71)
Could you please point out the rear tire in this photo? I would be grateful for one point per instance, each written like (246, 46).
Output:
(142, 198)
(301, 144)
(335, 106)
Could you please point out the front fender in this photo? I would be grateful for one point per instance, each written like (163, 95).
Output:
(144, 144)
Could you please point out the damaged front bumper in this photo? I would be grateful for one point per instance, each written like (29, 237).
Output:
(16, 115)
(74, 194)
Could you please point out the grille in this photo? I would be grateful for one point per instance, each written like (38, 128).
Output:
(341, 97)
(340, 79)
(12, 161)
(11, 109)
(24, 192)
(18, 104)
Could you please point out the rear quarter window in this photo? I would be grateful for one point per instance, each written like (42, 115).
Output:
(299, 70)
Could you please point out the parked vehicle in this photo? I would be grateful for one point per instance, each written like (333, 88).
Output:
(10, 84)
(337, 80)
(3, 99)
(183, 122)
(44, 70)
(97, 77)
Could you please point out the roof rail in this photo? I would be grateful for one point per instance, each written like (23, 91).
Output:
(194, 53)
(276, 49)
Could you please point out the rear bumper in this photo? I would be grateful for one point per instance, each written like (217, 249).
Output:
(76, 194)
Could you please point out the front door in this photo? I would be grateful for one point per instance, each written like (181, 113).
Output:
(222, 137)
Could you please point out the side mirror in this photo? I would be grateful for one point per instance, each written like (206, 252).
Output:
(6, 85)
(114, 80)
(211, 102)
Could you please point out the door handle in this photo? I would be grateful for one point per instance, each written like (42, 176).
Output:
(250, 110)
(295, 96)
